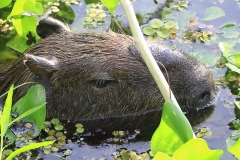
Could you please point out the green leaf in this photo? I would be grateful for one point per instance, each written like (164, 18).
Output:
(196, 149)
(167, 12)
(148, 30)
(162, 156)
(173, 131)
(212, 13)
(225, 49)
(11, 136)
(169, 24)
(156, 23)
(27, 113)
(111, 5)
(26, 6)
(234, 59)
(27, 148)
(163, 32)
(233, 68)
(230, 32)
(33, 6)
(183, 3)
(176, 120)
(173, 30)
(4, 3)
(34, 97)
(228, 25)
(6, 115)
(235, 149)
(153, 38)
(23, 26)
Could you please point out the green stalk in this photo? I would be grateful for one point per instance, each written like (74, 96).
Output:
(146, 54)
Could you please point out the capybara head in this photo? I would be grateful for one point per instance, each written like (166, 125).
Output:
(89, 75)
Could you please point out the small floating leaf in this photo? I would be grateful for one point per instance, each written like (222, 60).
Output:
(55, 121)
(169, 24)
(173, 30)
(58, 127)
(153, 38)
(156, 23)
(78, 125)
(80, 130)
(148, 30)
(163, 32)
(212, 13)
(183, 3)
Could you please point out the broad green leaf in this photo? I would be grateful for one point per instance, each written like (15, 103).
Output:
(4, 3)
(66, 12)
(23, 27)
(196, 149)
(18, 43)
(27, 148)
(163, 32)
(176, 120)
(27, 113)
(238, 105)
(235, 149)
(173, 131)
(11, 136)
(6, 114)
(33, 6)
(162, 156)
(26, 6)
(233, 68)
(156, 23)
(225, 49)
(234, 59)
(111, 5)
(230, 32)
(164, 139)
(212, 13)
(34, 97)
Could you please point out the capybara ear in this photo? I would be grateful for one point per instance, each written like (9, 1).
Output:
(43, 64)
(48, 26)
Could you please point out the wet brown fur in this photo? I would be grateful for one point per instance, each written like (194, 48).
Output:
(87, 57)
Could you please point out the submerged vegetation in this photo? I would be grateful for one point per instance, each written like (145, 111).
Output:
(17, 36)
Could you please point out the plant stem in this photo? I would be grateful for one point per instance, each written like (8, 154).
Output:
(146, 54)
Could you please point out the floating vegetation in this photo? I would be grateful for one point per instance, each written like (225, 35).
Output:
(75, 2)
(203, 132)
(79, 127)
(196, 36)
(52, 7)
(181, 5)
(96, 15)
(123, 153)
(5, 29)
(159, 29)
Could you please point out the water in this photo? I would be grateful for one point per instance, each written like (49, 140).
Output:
(216, 118)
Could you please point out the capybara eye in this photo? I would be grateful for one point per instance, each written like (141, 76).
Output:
(102, 83)
(205, 95)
